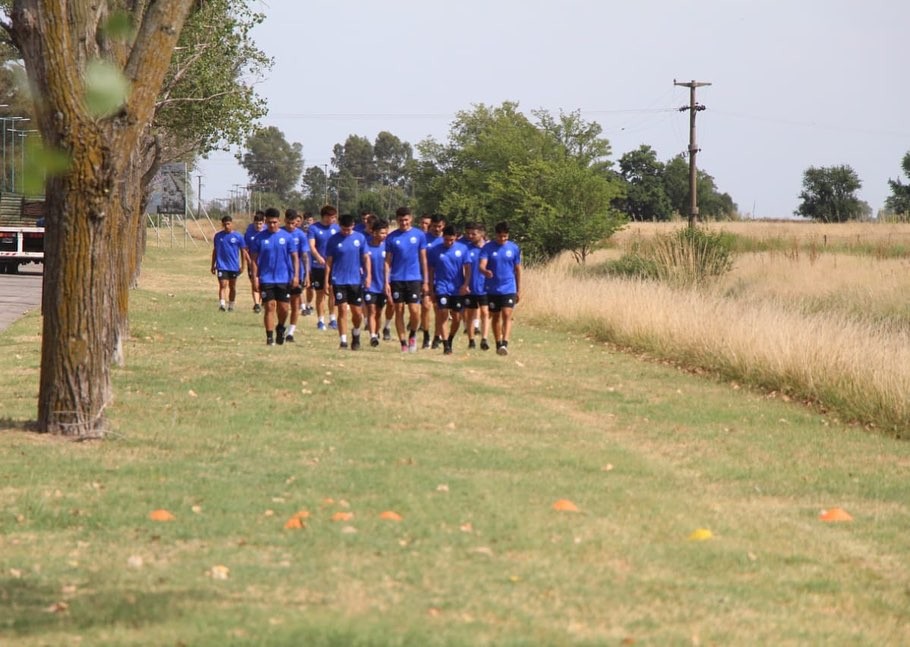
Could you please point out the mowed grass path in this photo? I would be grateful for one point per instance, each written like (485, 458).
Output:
(472, 451)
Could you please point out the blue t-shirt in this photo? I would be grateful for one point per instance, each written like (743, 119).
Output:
(478, 284)
(303, 249)
(321, 234)
(273, 256)
(347, 254)
(448, 267)
(227, 250)
(501, 260)
(377, 267)
(404, 248)
(250, 234)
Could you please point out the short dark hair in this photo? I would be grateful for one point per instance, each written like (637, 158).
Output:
(346, 220)
(272, 212)
(227, 218)
(290, 214)
(502, 227)
(380, 223)
(327, 210)
(259, 216)
(437, 217)
(448, 230)
(402, 211)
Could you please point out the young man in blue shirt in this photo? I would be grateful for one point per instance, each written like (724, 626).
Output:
(500, 263)
(252, 229)
(276, 268)
(446, 262)
(228, 255)
(347, 272)
(406, 258)
(375, 296)
(318, 235)
(292, 226)
(476, 301)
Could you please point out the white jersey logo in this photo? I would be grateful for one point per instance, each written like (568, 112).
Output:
(457, 253)
(356, 243)
(509, 254)
(281, 241)
(413, 240)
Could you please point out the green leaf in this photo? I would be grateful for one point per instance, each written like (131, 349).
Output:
(106, 88)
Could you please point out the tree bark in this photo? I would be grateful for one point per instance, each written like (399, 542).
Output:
(91, 208)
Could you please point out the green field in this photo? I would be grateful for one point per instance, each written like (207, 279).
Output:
(472, 451)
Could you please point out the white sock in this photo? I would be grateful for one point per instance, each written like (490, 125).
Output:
(292, 328)
(355, 332)
(221, 303)
(332, 318)
(321, 319)
(344, 339)
(230, 305)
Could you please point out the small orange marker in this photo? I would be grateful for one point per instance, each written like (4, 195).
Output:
(835, 514)
(161, 515)
(564, 505)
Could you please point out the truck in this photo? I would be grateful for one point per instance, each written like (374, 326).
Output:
(21, 232)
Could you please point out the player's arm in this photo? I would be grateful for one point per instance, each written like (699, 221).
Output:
(466, 285)
(367, 270)
(517, 283)
(482, 266)
(424, 272)
(295, 263)
(315, 252)
(214, 255)
(327, 288)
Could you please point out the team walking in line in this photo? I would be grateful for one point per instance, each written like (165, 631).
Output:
(355, 271)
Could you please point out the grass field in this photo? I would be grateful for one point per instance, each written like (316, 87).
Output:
(471, 451)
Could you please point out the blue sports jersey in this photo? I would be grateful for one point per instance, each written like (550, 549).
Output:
(303, 249)
(273, 256)
(404, 248)
(321, 234)
(478, 284)
(377, 267)
(361, 228)
(227, 250)
(251, 233)
(448, 267)
(501, 260)
(347, 254)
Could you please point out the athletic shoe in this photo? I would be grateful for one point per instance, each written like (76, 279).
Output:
(320, 325)
(472, 344)
(436, 342)
(502, 350)
(404, 347)
(279, 335)
(222, 308)
(412, 345)
(386, 334)
(269, 342)
(355, 343)
(289, 339)
(484, 344)
(257, 308)
(426, 340)
(333, 325)
(343, 345)
(446, 348)
(374, 341)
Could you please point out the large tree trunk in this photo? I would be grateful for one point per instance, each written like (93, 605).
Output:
(88, 237)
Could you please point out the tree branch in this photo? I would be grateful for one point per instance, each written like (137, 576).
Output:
(167, 102)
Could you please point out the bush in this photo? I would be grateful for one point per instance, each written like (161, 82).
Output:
(687, 257)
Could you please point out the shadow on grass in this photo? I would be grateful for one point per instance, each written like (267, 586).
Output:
(9, 425)
(28, 608)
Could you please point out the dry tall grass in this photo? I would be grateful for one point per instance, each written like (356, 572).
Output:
(858, 369)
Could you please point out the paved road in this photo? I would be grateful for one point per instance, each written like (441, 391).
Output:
(19, 293)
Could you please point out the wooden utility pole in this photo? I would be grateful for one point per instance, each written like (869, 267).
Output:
(693, 108)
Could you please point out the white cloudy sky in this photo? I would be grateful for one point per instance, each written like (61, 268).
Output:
(795, 83)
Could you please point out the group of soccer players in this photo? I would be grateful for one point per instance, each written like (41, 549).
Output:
(356, 270)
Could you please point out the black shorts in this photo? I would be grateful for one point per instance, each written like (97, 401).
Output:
(227, 275)
(275, 292)
(500, 301)
(295, 291)
(453, 302)
(474, 301)
(377, 299)
(317, 277)
(406, 291)
(350, 294)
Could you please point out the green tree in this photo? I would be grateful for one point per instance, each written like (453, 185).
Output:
(271, 162)
(829, 195)
(315, 187)
(96, 70)
(547, 178)
(645, 197)
(899, 200)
